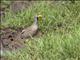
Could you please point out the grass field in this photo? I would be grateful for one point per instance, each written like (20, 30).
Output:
(61, 27)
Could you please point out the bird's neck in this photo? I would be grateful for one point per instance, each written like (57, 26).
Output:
(36, 21)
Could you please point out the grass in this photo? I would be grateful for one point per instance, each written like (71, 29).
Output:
(61, 27)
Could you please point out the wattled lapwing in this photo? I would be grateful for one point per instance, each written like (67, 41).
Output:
(31, 30)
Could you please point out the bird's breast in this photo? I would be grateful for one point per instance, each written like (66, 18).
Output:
(34, 28)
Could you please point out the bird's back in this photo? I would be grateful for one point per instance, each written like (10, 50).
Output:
(30, 31)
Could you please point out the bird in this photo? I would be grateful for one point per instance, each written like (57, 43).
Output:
(31, 30)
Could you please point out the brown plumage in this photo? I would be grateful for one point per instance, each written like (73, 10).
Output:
(31, 31)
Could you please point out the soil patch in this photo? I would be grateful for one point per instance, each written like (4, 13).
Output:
(11, 39)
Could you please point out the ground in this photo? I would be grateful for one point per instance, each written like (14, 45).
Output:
(61, 28)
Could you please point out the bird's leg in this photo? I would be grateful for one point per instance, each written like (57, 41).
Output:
(31, 36)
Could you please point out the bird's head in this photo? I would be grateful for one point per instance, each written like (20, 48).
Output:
(39, 18)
